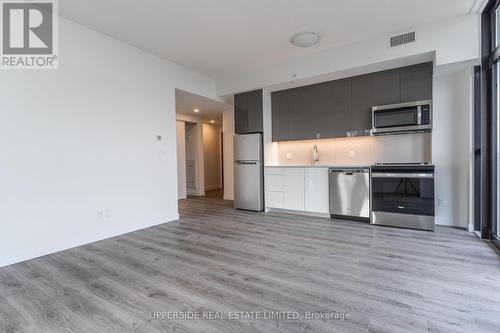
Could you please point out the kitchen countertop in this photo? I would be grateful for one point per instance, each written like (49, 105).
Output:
(318, 166)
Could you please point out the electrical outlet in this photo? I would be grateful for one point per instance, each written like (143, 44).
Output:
(288, 156)
(109, 213)
(100, 214)
(440, 202)
(352, 154)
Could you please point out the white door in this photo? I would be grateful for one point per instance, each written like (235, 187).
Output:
(317, 190)
(181, 160)
(293, 185)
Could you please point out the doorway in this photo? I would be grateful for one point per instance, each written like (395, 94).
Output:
(200, 147)
(212, 162)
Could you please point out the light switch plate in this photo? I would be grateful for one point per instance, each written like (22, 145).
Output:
(288, 156)
(352, 154)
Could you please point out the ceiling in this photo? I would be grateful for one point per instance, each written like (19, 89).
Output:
(209, 109)
(219, 37)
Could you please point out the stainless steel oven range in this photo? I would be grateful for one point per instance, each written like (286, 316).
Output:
(403, 195)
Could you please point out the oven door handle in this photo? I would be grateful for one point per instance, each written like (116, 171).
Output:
(402, 175)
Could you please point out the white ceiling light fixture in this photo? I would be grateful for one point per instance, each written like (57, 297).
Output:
(196, 110)
(305, 39)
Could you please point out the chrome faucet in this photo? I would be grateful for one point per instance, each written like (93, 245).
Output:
(315, 155)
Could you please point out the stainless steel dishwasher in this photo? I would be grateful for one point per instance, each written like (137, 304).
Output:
(350, 193)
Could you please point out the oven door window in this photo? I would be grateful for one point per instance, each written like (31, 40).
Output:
(403, 195)
(396, 118)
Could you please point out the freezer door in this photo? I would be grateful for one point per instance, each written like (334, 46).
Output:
(248, 147)
(248, 186)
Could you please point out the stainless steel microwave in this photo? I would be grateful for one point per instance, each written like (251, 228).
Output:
(402, 118)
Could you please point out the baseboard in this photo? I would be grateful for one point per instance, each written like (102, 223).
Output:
(213, 188)
(471, 227)
(443, 222)
(228, 197)
(86, 239)
(446, 222)
(297, 212)
(196, 193)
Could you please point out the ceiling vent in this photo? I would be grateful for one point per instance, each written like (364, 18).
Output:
(403, 39)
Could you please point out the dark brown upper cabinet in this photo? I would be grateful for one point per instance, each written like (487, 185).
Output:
(321, 111)
(416, 83)
(386, 88)
(370, 90)
(248, 112)
(280, 104)
(332, 109)
(329, 109)
(298, 120)
(362, 100)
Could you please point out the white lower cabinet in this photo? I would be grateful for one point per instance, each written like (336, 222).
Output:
(299, 189)
(293, 188)
(317, 190)
(274, 199)
(275, 183)
(274, 187)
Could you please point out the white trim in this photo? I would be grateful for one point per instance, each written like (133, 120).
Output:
(196, 193)
(444, 221)
(296, 212)
(478, 6)
(471, 152)
(213, 188)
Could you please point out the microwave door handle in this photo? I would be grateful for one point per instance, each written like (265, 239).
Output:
(419, 115)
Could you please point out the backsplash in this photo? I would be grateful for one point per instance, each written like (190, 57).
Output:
(358, 150)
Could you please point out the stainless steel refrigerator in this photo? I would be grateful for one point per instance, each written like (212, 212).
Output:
(248, 172)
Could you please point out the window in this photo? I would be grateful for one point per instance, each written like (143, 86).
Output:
(495, 149)
(497, 27)
(489, 125)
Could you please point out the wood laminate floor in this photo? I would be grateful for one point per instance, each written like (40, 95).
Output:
(218, 261)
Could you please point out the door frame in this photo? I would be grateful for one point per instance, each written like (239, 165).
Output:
(490, 57)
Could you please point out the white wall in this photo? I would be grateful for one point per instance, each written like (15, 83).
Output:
(451, 146)
(81, 140)
(212, 157)
(228, 130)
(453, 40)
(181, 160)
